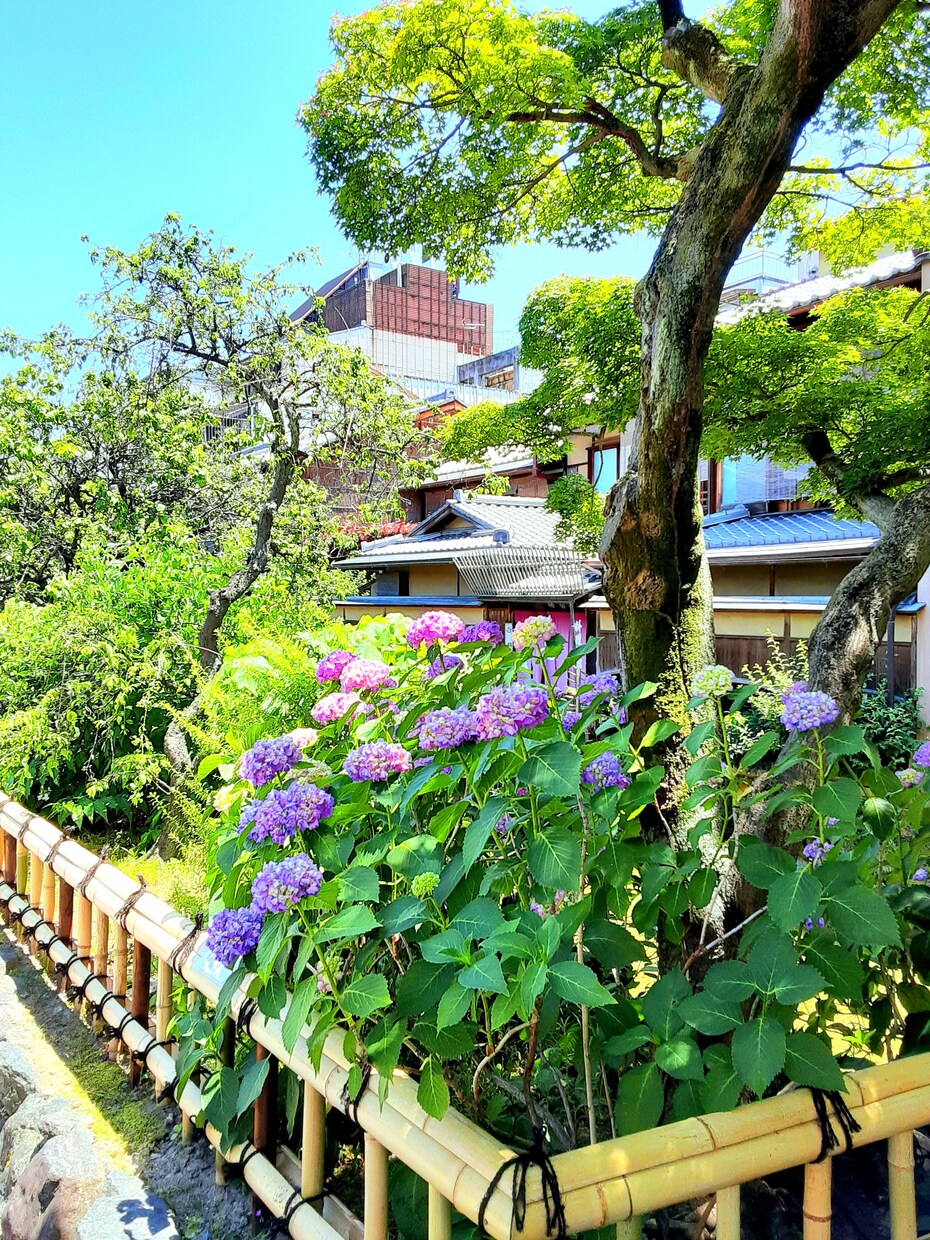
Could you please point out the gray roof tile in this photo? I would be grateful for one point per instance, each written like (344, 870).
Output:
(784, 529)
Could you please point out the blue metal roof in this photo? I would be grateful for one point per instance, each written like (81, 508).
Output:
(781, 529)
(412, 600)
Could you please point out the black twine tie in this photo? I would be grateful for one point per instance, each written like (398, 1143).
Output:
(82, 885)
(535, 1156)
(130, 902)
(844, 1117)
(350, 1104)
(180, 954)
(53, 851)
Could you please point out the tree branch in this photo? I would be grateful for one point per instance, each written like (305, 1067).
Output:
(873, 504)
(697, 56)
(671, 12)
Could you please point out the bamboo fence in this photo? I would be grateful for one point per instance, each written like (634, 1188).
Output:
(82, 912)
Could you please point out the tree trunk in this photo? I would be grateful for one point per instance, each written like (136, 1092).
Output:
(656, 577)
(855, 620)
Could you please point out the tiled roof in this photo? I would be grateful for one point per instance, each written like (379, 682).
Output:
(812, 292)
(783, 529)
(526, 521)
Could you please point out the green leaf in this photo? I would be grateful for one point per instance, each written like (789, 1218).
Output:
(478, 833)
(359, 882)
(862, 917)
(729, 980)
(252, 1081)
(485, 974)
(274, 932)
(555, 768)
(479, 918)
(880, 816)
(757, 751)
(658, 732)
(762, 864)
(221, 1098)
(297, 1012)
(850, 739)
(838, 799)
(421, 987)
(640, 1099)
(554, 859)
(383, 1045)
(792, 898)
(721, 1088)
(710, 1014)
(775, 970)
(638, 692)
(365, 995)
(433, 1092)
(809, 1062)
(453, 1005)
(576, 983)
(840, 967)
(697, 736)
(758, 1051)
(661, 1001)
(612, 946)
(402, 914)
(681, 1059)
(272, 996)
(449, 945)
(625, 1043)
(227, 990)
(348, 923)
(531, 985)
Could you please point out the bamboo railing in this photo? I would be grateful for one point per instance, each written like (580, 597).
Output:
(82, 912)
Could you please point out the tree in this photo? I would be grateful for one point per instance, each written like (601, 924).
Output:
(470, 124)
(202, 320)
(851, 396)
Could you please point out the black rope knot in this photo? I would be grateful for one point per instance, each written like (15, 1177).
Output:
(21, 913)
(63, 968)
(180, 954)
(142, 1055)
(535, 1156)
(246, 1012)
(82, 885)
(116, 1031)
(130, 902)
(350, 1104)
(168, 1092)
(80, 991)
(844, 1117)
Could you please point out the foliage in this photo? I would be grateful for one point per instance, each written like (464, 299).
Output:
(581, 513)
(473, 905)
(470, 125)
(583, 334)
(893, 729)
(857, 376)
(90, 678)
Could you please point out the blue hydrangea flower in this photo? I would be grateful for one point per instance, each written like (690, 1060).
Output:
(445, 728)
(920, 875)
(445, 663)
(485, 631)
(922, 756)
(593, 686)
(266, 759)
(281, 884)
(285, 811)
(814, 852)
(376, 761)
(233, 933)
(605, 772)
(806, 709)
(508, 709)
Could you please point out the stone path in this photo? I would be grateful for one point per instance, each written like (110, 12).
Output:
(75, 1139)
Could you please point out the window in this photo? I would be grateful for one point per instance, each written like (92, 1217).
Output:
(607, 465)
(748, 481)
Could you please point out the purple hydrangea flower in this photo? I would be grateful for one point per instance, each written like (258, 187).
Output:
(364, 674)
(592, 686)
(605, 772)
(809, 923)
(569, 719)
(266, 759)
(909, 777)
(376, 761)
(533, 632)
(806, 709)
(539, 909)
(331, 665)
(435, 626)
(503, 824)
(233, 933)
(920, 875)
(285, 811)
(445, 663)
(485, 631)
(922, 756)
(509, 709)
(281, 884)
(814, 852)
(799, 686)
(446, 728)
(333, 707)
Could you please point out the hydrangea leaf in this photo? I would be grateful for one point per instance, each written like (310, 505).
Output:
(758, 1051)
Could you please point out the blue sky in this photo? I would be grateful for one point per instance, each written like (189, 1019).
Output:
(115, 113)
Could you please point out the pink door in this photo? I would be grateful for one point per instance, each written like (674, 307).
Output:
(562, 623)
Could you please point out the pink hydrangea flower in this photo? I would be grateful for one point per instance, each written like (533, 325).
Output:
(333, 707)
(535, 631)
(362, 674)
(331, 665)
(376, 761)
(433, 627)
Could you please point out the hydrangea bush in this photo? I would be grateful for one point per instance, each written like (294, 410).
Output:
(451, 867)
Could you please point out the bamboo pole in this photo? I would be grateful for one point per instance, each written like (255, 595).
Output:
(22, 874)
(903, 1199)
(140, 997)
(313, 1144)
(163, 1008)
(101, 946)
(265, 1113)
(65, 920)
(440, 1216)
(48, 893)
(376, 1190)
(9, 862)
(35, 891)
(817, 1205)
(83, 912)
(188, 1128)
(728, 1220)
(120, 973)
